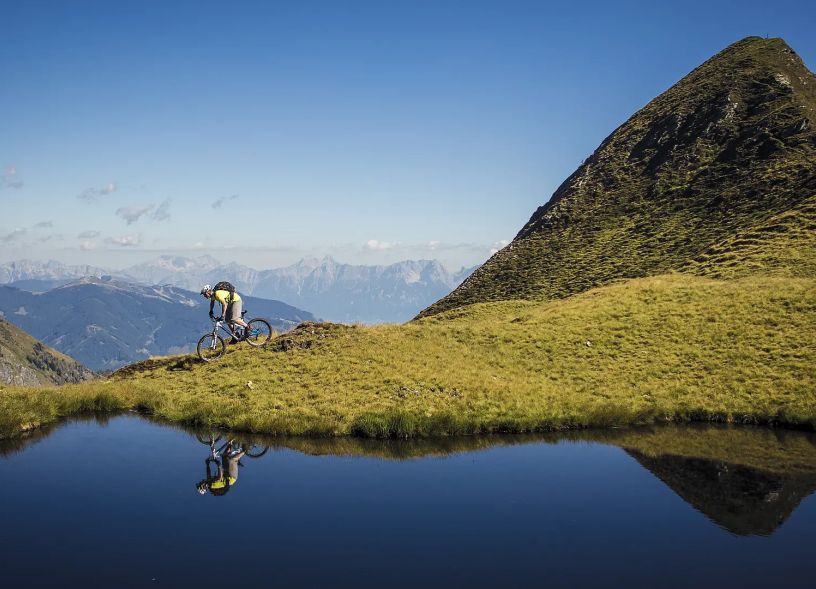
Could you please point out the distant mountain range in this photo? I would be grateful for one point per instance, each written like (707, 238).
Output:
(27, 362)
(329, 289)
(105, 323)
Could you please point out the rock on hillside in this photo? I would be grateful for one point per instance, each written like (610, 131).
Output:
(28, 362)
(726, 148)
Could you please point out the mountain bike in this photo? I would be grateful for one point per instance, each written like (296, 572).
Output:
(251, 450)
(211, 346)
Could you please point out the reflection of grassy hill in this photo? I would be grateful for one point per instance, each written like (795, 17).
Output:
(742, 500)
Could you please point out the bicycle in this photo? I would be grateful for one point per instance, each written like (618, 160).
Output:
(211, 346)
(251, 450)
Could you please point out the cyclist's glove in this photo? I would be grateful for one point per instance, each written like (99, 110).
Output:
(211, 315)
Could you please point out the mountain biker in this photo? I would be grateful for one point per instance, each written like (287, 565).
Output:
(230, 301)
(219, 483)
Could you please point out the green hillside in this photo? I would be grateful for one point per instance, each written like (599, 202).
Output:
(26, 361)
(721, 152)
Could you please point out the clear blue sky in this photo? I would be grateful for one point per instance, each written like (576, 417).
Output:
(370, 131)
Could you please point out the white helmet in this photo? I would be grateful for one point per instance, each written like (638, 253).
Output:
(206, 289)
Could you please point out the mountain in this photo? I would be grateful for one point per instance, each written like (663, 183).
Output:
(368, 294)
(106, 323)
(168, 270)
(722, 152)
(49, 271)
(26, 361)
(331, 290)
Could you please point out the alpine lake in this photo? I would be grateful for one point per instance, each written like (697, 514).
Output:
(122, 501)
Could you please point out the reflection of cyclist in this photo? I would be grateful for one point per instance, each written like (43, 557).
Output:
(224, 293)
(219, 482)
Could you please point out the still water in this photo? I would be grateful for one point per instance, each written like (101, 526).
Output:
(131, 503)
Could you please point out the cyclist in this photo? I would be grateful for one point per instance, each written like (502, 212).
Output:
(219, 482)
(230, 301)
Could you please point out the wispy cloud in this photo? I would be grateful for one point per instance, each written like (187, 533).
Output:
(162, 211)
(88, 234)
(44, 225)
(133, 214)
(377, 245)
(13, 236)
(497, 245)
(220, 202)
(94, 193)
(125, 240)
(86, 246)
(10, 178)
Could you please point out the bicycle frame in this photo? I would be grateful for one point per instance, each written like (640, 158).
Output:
(225, 326)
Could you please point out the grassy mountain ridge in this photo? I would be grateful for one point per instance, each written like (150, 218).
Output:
(26, 361)
(726, 148)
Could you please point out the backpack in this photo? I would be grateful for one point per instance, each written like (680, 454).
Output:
(224, 285)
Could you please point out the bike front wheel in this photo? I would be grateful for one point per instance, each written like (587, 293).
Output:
(211, 347)
(259, 332)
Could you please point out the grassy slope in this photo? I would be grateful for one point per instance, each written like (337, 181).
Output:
(668, 347)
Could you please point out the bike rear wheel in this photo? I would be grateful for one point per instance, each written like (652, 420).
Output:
(259, 332)
(210, 347)
(255, 451)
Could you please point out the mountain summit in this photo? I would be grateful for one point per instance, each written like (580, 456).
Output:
(725, 150)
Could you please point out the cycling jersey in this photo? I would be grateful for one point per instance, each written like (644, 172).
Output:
(223, 297)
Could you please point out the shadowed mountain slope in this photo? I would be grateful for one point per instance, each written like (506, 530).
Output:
(723, 151)
(26, 361)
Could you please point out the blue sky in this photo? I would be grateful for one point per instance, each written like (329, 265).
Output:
(370, 131)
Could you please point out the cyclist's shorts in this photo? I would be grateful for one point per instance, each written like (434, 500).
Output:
(234, 311)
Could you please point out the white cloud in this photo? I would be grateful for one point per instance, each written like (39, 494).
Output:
(9, 178)
(132, 214)
(87, 246)
(434, 245)
(161, 213)
(13, 236)
(93, 194)
(377, 245)
(218, 203)
(90, 234)
(497, 245)
(125, 240)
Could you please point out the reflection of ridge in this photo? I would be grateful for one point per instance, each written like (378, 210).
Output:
(742, 500)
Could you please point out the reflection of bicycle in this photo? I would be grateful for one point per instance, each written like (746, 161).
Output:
(223, 462)
(211, 440)
(211, 346)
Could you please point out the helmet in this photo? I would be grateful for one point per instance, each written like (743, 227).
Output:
(206, 289)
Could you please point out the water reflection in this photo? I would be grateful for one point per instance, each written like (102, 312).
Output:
(741, 499)
(224, 461)
(747, 480)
